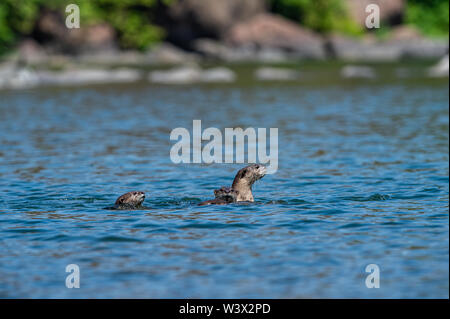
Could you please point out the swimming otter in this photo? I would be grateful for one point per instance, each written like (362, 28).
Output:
(130, 200)
(241, 190)
(224, 195)
(244, 180)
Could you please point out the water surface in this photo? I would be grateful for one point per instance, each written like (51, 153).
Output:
(363, 178)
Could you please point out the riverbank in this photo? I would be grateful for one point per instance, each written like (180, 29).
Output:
(264, 39)
(68, 71)
(206, 43)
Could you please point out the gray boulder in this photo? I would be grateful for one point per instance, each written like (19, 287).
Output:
(89, 76)
(275, 32)
(13, 77)
(440, 69)
(192, 74)
(399, 46)
(181, 75)
(423, 49)
(275, 74)
(219, 74)
(368, 49)
(359, 72)
(219, 51)
(187, 20)
(166, 53)
(31, 52)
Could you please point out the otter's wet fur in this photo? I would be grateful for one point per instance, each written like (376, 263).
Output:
(244, 180)
(224, 195)
(241, 189)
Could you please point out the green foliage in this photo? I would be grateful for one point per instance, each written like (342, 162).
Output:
(319, 15)
(16, 17)
(430, 16)
(132, 19)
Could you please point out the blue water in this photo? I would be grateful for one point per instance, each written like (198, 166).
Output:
(363, 179)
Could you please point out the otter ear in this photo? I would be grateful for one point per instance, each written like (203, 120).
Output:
(243, 172)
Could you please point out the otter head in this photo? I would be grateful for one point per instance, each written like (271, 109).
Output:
(131, 199)
(244, 180)
(226, 193)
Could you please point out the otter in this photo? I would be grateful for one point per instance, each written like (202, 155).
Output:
(244, 180)
(130, 200)
(241, 189)
(224, 195)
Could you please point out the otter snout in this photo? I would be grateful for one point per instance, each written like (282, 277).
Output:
(140, 194)
(261, 169)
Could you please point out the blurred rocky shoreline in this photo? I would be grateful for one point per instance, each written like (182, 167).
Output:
(265, 38)
(227, 33)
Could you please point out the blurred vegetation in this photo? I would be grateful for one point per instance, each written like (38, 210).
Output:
(430, 16)
(16, 17)
(320, 15)
(134, 20)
